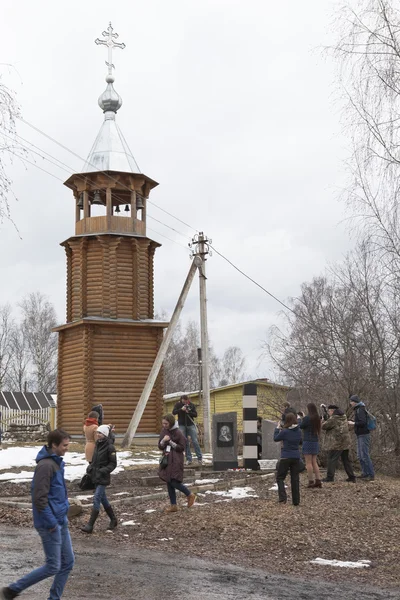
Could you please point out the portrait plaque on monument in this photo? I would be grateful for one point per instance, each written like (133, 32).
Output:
(224, 441)
(224, 434)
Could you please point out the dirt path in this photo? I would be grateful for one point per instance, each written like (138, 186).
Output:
(104, 572)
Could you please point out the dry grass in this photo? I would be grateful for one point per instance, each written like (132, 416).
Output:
(340, 521)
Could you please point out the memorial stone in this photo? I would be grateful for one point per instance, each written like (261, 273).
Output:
(270, 449)
(224, 441)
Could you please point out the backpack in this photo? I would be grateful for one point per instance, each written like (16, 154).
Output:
(371, 421)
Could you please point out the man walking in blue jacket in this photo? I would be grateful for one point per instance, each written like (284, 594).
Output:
(50, 507)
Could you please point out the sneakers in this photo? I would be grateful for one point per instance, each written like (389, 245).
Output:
(191, 500)
(188, 463)
(351, 479)
(7, 594)
(326, 480)
(368, 478)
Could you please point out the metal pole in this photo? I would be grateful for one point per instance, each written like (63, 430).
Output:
(202, 251)
(141, 405)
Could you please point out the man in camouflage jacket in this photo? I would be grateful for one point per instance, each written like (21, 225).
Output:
(337, 443)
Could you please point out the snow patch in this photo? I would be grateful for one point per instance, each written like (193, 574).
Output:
(89, 497)
(16, 477)
(359, 564)
(150, 510)
(16, 457)
(121, 494)
(165, 539)
(236, 493)
(129, 523)
(201, 481)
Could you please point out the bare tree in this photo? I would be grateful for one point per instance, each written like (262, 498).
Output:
(7, 329)
(39, 317)
(18, 375)
(233, 364)
(9, 145)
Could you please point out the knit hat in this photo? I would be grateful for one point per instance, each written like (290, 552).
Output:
(355, 399)
(104, 430)
(330, 407)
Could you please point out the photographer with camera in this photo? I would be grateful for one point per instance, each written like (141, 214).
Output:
(186, 412)
(337, 442)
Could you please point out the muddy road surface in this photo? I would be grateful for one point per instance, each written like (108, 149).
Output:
(105, 571)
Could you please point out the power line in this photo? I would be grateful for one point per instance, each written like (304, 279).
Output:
(115, 180)
(108, 175)
(253, 280)
(68, 169)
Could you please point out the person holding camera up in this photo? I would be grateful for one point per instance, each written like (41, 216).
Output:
(186, 412)
(337, 442)
(290, 435)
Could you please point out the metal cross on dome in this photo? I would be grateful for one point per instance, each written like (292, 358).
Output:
(110, 43)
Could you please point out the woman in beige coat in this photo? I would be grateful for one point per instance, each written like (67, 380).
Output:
(89, 429)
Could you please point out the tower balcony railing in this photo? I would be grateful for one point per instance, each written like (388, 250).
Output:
(110, 224)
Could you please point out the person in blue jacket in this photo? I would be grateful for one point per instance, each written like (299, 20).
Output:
(50, 507)
(363, 434)
(290, 435)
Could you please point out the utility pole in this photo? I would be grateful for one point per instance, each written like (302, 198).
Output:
(200, 367)
(201, 249)
(141, 405)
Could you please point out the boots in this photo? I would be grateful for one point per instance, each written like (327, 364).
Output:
(191, 500)
(113, 519)
(318, 483)
(311, 484)
(171, 508)
(93, 516)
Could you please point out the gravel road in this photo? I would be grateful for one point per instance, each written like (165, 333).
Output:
(103, 572)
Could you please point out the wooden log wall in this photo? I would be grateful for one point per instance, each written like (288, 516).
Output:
(71, 367)
(110, 277)
(108, 364)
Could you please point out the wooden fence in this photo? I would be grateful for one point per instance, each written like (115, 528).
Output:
(28, 417)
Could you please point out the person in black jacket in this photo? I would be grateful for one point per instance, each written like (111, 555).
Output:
(363, 438)
(99, 409)
(103, 463)
(187, 412)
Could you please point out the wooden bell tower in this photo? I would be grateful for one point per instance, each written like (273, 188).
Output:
(110, 339)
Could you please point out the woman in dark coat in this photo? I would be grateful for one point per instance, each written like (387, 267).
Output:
(290, 435)
(311, 426)
(103, 463)
(173, 443)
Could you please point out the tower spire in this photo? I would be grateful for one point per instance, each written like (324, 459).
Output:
(110, 101)
(110, 151)
(109, 42)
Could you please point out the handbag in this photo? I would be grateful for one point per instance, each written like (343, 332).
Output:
(86, 483)
(164, 461)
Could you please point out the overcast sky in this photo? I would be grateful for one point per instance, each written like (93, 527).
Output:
(228, 104)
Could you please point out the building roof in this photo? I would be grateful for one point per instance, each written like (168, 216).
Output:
(110, 151)
(26, 400)
(262, 382)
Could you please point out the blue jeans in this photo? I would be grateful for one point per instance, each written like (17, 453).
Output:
(57, 547)
(100, 497)
(191, 430)
(363, 447)
(176, 485)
